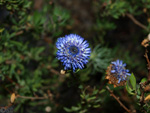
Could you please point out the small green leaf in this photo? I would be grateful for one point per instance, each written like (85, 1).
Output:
(75, 108)
(102, 91)
(96, 106)
(95, 91)
(1, 30)
(80, 86)
(18, 44)
(138, 91)
(137, 96)
(77, 70)
(1, 59)
(67, 109)
(143, 80)
(91, 98)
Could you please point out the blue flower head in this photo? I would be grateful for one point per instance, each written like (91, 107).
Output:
(119, 70)
(117, 74)
(73, 51)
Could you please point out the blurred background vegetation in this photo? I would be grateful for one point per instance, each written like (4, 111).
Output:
(28, 64)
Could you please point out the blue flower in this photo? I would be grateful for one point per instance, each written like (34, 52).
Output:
(117, 74)
(119, 70)
(73, 51)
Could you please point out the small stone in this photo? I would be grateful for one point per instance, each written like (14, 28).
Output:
(48, 109)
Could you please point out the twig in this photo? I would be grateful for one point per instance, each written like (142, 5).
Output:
(61, 74)
(102, 85)
(6, 107)
(32, 98)
(136, 21)
(19, 33)
(148, 63)
(143, 90)
(7, 89)
(53, 70)
(117, 99)
(143, 85)
(142, 97)
(12, 81)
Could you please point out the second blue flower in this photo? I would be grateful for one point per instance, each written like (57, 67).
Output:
(117, 74)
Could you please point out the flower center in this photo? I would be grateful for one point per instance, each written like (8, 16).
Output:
(73, 50)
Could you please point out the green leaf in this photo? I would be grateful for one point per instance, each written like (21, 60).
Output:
(96, 106)
(143, 80)
(91, 98)
(102, 91)
(67, 109)
(75, 108)
(77, 70)
(138, 97)
(80, 86)
(132, 80)
(18, 44)
(128, 88)
(1, 59)
(138, 90)
(1, 30)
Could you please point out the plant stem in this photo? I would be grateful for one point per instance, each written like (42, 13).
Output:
(117, 99)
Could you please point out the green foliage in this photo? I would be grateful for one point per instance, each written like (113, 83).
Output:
(28, 64)
(88, 101)
(116, 9)
(25, 58)
(100, 58)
